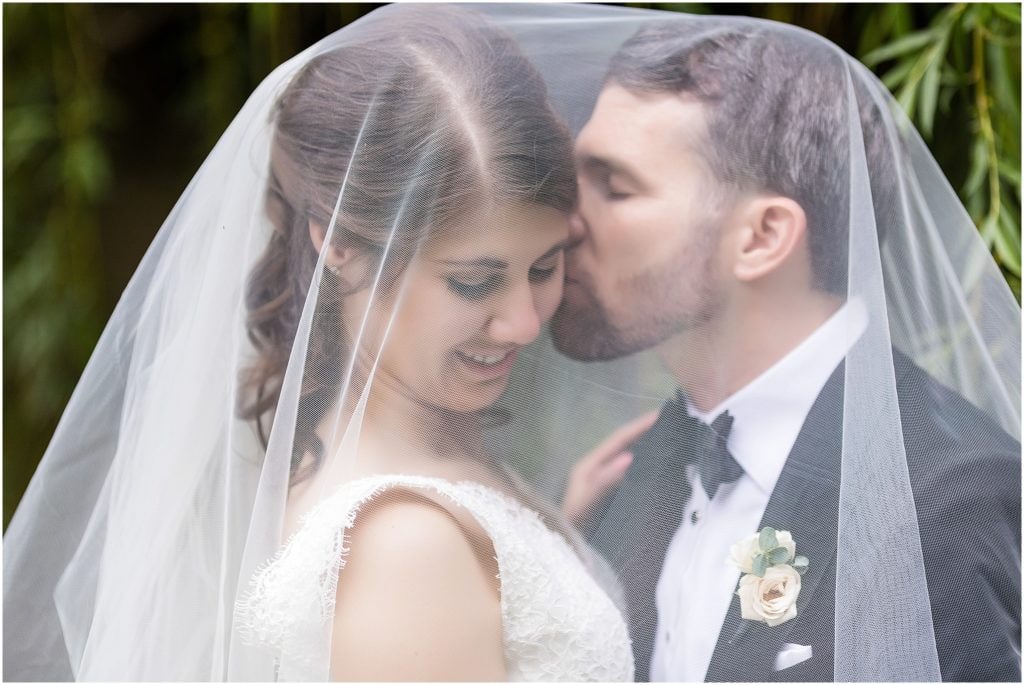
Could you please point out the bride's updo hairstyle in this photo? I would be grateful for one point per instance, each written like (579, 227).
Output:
(428, 114)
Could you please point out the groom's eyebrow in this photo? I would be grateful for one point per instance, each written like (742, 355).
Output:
(594, 164)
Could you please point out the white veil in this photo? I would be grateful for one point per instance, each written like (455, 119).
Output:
(260, 346)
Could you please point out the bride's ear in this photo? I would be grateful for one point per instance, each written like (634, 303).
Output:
(773, 233)
(339, 260)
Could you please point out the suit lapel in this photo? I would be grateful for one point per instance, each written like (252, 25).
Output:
(805, 501)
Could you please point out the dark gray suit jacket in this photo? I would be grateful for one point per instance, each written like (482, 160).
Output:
(965, 476)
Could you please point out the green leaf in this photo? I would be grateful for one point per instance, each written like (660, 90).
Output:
(86, 167)
(1007, 243)
(1004, 82)
(907, 98)
(760, 565)
(1010, 11)
(900, 46)
(898, 16)
(1010, 172)
(898, 73)
(989, 228)
(979, 167)
(801, 564)
(930, 87)
(872, 35)
(779, 555)
(767, 540)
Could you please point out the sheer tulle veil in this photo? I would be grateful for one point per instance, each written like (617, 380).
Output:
(283, 316)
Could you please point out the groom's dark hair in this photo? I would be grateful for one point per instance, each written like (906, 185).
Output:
(777, 120)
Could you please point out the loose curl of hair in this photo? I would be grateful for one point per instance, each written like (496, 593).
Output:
(423, 114)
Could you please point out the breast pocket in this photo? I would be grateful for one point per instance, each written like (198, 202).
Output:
(792, 654)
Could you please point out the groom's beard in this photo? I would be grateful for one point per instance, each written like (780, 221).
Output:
(678, 295)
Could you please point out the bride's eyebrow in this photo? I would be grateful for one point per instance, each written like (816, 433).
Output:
(492, 263)
(480, 262)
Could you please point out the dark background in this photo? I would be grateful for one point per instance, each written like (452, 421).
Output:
(108, 110)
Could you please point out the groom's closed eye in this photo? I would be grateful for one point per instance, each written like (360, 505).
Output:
(613, 180)
(613, 188)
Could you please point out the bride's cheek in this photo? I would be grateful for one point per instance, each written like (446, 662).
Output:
(548, 299)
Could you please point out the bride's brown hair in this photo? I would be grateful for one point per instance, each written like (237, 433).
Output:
(426, 113)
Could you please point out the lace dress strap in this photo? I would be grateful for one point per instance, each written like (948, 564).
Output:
(557, 623)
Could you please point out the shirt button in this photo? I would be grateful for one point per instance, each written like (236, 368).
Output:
(695, 516)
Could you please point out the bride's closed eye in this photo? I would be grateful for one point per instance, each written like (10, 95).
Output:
(478, 287)
(475, 288)
(546, 269)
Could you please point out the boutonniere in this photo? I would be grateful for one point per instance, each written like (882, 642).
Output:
(771, 575)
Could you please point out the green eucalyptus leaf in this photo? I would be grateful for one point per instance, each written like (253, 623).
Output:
(760, 565)
(779, 555)
(767, 539)
(801, 564)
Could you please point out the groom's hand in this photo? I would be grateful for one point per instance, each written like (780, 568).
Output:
(598, 473)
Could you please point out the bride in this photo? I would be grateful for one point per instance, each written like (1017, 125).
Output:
(444, 261)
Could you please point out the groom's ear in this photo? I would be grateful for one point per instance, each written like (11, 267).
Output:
(772, 231)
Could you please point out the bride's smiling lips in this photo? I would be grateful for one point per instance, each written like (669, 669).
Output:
(489, 365)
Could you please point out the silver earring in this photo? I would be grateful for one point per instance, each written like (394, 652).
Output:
(334, 269)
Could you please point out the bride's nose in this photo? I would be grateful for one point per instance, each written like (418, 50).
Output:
(515, 319)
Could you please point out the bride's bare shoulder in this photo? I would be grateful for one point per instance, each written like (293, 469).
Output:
(416, 595)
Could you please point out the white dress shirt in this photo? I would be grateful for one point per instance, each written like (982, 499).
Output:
(697, 582)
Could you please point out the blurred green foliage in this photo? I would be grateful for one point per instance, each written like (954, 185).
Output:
(965, 61)
(109, 109)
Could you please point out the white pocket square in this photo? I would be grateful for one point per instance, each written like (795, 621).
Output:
(791, 655)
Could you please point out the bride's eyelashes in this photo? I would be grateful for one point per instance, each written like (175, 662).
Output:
(475, 290)
(480, 288)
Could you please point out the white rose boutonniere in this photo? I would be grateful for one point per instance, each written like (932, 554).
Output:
(771, 582)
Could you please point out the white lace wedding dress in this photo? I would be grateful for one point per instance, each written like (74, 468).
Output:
(558, 623)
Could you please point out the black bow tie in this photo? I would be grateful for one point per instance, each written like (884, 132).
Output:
(715, 464)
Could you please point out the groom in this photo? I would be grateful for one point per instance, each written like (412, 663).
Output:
(708, 173)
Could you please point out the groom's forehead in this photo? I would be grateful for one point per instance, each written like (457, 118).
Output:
(623, 124)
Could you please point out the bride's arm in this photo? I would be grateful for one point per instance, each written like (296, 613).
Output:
(416, 599)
